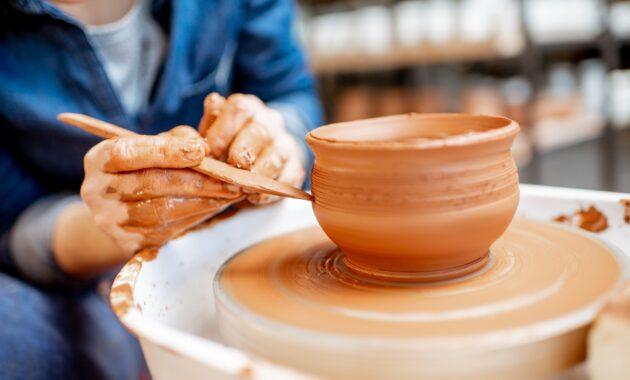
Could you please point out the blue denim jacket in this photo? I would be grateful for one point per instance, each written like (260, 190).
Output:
(48, 66)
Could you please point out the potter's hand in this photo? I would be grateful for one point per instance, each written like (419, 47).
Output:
(140, 193)
(251, 136)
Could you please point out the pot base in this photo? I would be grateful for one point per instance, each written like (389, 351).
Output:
(420, 277)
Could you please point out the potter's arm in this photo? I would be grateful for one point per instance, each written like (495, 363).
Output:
(56, 240)
(28, 215)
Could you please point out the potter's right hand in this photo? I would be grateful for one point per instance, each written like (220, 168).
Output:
(142, 195)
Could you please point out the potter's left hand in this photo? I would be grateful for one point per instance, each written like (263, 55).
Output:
(252, 136)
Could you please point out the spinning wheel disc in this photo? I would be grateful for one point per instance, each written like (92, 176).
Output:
(542, 283)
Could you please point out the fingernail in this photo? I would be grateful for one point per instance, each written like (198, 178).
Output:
(244, 159)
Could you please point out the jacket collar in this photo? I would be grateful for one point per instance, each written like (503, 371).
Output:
(44, 7)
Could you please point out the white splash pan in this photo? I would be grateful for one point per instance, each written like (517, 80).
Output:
(167, 301)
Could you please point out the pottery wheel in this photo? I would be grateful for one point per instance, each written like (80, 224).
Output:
(541, 280)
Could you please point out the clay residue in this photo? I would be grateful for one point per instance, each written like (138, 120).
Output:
(626, 204)
(156, 237)
(121, 295)
(562, 219)
(590, 219)
(148, 254)
(123, 299)
(247, 372)
(163, 219)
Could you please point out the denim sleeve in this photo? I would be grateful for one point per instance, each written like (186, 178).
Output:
(27, 218)
(18, 189)
(30, 242)
(270, 64)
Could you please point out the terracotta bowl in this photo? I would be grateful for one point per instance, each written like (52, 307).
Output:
(415, 197)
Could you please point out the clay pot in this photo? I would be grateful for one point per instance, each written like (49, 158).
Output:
(417, 196)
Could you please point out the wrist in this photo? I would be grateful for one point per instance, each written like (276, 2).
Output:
(31, 240)
(80, 248)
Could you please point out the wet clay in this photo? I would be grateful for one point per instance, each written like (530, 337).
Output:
(626, 204)
(162, 219)
(415, 196)
(122, 295)
(537, 272)
(590, 219)
(160, 204)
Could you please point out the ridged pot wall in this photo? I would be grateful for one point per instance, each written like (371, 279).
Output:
(415, 193)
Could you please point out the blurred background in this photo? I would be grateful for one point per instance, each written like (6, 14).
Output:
(561, 68)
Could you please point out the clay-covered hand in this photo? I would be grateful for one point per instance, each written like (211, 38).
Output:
(140, 192)
(252, 136)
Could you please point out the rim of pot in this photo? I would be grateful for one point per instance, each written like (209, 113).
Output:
(325, 135)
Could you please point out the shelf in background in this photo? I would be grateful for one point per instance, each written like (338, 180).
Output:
(399, 57)
(598, 164)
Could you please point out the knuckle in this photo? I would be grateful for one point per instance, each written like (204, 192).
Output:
(240, 105)
(244, 103)
(96, 153)
(89, 190)
(213, 100)
(87, 196)
(123, 148)
(237, 97)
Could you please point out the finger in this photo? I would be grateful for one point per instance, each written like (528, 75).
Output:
(141, 152)
(235, 113)
(283, 162)
(292, 174)
(211, 107)
(155, 183)
(248, 144)
(254, 137)
(165, 210)
(185, 131)
(270, 162)
(260, 199)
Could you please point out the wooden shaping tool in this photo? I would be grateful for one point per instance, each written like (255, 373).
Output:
(209, 166)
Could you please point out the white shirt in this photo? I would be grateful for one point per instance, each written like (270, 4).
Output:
(131, 50)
